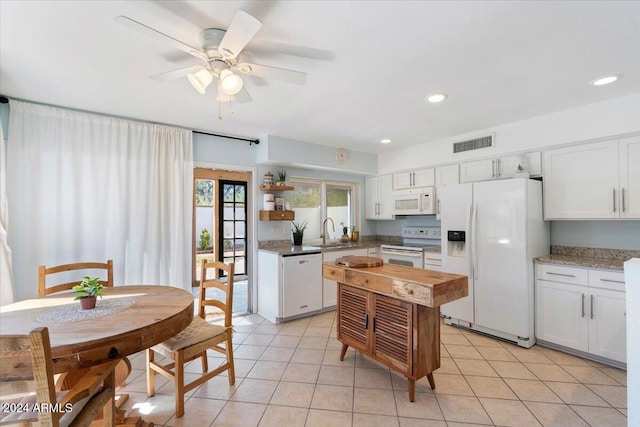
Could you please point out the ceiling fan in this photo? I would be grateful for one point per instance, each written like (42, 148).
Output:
(220, 51)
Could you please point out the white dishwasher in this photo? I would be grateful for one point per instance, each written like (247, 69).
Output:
(301, 284)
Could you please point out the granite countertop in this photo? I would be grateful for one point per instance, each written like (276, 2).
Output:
(611, 259)
(284, 247)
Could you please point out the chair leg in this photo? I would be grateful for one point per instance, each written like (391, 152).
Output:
(229, 350)
(151, 374)
(205, 362)
(179, 382)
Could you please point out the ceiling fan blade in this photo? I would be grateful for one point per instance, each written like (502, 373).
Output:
(242, 29)
(291, 76)
(128, 22)
(170, 75)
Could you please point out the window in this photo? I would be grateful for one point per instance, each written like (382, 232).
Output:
(315, 200)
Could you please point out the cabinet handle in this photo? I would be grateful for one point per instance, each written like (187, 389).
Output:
(612, 281)
(499, 169)
(614, 199)
(438, 202)
(623, 207)
(583, 305)
(374, 324)
(493, 168)
(560, 274)
(591, 306)
(366, 321)
(434, 259)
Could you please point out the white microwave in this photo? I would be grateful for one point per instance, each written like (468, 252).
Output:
(417, 201)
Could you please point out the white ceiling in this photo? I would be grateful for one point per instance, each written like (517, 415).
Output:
(370, 64)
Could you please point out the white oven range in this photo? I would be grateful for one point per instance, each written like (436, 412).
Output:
(420, 248)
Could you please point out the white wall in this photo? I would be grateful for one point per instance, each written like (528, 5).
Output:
(632, 279)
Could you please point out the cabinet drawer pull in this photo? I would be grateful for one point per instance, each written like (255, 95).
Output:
(623, 207)
(591, 306)
(612, 281)
(434, 259)
(366, 321)
(614, 199)
(583, 305)
(560, 274)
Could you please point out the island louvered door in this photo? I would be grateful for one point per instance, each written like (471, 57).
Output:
(392, 332)
(353, 317)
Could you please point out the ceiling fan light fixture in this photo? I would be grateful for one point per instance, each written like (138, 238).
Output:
(200, 80)
(230, 83)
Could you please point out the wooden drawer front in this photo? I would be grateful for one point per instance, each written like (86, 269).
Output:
(392, 333)
(277, 215)
(604, 279)
(562, 274)
(361, 280)
(333, 273)
(408, 291)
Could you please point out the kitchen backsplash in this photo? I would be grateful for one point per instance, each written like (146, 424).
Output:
(605, 253)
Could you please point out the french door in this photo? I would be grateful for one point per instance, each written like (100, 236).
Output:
(221, 226)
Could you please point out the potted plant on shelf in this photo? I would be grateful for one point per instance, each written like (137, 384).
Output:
(345, 233)
(282, 176)
(88, 290)
(298, 232)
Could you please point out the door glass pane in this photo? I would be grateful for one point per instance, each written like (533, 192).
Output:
(234, 225)
(205, 231)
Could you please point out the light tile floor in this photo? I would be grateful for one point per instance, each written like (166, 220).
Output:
(290, 375)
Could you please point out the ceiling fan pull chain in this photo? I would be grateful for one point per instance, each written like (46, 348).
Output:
(230, 110)
(219, 113)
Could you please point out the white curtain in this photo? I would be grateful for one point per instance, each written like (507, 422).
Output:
(85, 187)
(6, 279)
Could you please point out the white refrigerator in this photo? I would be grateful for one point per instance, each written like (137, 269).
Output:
(491, 231)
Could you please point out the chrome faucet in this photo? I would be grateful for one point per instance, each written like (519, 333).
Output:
(324, 229)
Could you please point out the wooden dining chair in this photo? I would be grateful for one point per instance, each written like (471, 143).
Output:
(197, 338)
(43, 272)
(25, 357)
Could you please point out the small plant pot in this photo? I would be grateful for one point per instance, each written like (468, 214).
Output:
(297, 239)
(88, 303)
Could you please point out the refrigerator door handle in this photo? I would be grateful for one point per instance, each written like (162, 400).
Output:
(474, 215)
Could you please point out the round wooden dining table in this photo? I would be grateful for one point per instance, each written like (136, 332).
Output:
(129, 319)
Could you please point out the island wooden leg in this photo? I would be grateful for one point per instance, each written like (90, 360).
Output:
(432, 382)
(412, 389)
(343, 352)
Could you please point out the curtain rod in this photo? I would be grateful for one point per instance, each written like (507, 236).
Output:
(5, 100)
(250, 140)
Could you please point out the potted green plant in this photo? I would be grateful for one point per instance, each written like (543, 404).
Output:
(298, 232)
(88, 290)
(282, 176)
(345, 233)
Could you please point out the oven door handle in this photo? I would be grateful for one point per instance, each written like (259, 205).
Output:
(412, 254)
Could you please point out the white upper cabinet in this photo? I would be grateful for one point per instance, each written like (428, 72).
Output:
(500, 167)
(378, 197)
(590, 181)
(413, 179)
(630, 177)
(445, 175)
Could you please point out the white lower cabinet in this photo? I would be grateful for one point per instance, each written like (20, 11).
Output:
(330, 287)
(582, 309)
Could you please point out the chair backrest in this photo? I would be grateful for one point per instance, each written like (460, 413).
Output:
(223, 302)
(25, 357)
(43, 272)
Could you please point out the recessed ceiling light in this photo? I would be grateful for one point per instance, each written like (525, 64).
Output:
(437, 97)
(385, 141)
(605, 80)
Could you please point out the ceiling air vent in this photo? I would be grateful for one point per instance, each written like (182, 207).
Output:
(473, 144)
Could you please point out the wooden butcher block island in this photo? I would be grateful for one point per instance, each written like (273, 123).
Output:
(392, 314)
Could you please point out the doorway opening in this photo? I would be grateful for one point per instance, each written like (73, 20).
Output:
(221, 227)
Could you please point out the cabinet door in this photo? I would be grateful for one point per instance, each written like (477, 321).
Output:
(402, 180)
(479, 170)
(447, 175)
(393, 332)
(385, 197)
(607, 326)
(582, 182)
(353, 317)
(507, 166)
(424, 178)
(630, 177)
(371, 197)
(330, 287)
(561, 314)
